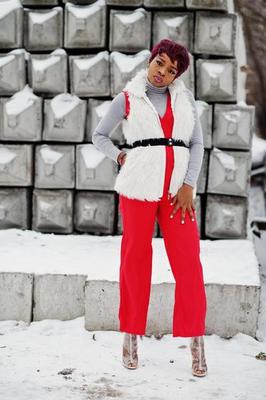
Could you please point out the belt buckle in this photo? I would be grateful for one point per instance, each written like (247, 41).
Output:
(170, 142)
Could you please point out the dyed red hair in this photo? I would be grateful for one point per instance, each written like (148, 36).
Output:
(174, 51)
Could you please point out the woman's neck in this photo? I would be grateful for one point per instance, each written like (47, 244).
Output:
(155, 89)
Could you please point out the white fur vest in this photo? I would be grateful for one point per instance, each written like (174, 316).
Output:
(142, 175)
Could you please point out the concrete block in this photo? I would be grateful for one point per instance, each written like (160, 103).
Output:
(233, 126)
(204, 111)
(124, 67)
(21, 116)
(52, 211)
(85, 26)
(124, 3)
(14, 208)
(64, 118)
(94, 212)
(55, 166)
(16, 296)
(229, 172)
(58, 296)
(40, 2)
(43, 29)
(215, 33)
(202, 179)
(97, 109)
(130, 31)
(89, 75)
(48, 72)
(11, 24)
(188, 76)
(226, 217)
(217, 79)
(221, 5)
(94, 170)
(12, 72)
(164, 3)
(15, 165)
(177, 26)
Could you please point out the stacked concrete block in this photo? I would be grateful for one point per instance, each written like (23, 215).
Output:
(52, 211)
(124, 67)
(14, 208)
(21, 117)
(89, 75)
(96, 111)
(48, 72)
(43, 29)
(94, 212)
(11, 24)
(85, 27)
(62, 63)
(12, 72)
(176, 26)
(130, 31)
(64, 118)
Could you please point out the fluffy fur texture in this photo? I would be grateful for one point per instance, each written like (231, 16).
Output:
(142, 175)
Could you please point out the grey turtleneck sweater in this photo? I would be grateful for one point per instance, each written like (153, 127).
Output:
(158, 96)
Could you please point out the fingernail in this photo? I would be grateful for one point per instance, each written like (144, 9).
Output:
(171, 204)
(192, 219)
(171, 216)
(182, 222)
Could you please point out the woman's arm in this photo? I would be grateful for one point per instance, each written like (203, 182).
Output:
(196, 148)
(100, 136)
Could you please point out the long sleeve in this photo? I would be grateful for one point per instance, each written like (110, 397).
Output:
(196, 149)
(100, 136)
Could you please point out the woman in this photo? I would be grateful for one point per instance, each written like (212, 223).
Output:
(160, 165)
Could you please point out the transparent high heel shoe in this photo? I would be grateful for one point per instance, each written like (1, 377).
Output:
(199, 366)
(130, 351)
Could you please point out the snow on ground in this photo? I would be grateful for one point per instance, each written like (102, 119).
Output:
(58, 360)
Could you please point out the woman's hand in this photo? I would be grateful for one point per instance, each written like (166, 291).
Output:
(184, 199)
(121, 157)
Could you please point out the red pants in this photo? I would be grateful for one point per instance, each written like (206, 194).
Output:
(182, 244)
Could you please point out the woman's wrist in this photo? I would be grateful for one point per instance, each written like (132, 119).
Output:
(120, 157)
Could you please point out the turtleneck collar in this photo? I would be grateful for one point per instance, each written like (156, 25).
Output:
(155, 89)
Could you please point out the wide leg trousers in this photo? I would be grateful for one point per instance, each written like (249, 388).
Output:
(182, 244)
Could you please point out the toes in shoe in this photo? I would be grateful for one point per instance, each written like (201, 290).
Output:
(199, 366)
(130, 348)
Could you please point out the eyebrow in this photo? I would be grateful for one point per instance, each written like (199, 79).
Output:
(172, 66)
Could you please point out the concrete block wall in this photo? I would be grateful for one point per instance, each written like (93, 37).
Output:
(62, 62)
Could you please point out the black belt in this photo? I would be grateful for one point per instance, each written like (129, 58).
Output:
(156, 142)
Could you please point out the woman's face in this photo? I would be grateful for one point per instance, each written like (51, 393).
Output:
(162, 70)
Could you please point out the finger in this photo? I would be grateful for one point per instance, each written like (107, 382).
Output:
(191, 213)
(173, 200)
(183, 213)
(176, 207)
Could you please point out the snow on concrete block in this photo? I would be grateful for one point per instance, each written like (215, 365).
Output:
(164, 3)
(43, 29)
(64, 118)
(229, 172)
(124, 67)
(40, 2)
(15, 165)
(52, 211)
(216, 79)
(16, 296)
(12, 72)
(124, 3)
(96, 111)
(55, 166)
(94, 170)
(226, 217)
(221, 5)
(14, 208)
(85, 26)
(233, 126)
(48, 72)
(21, 116)
(94, 212)
(58, 296)
(89, 74)
(215, 33)
(130, 31)
(11, 24)
(204, 111)
(177, 26)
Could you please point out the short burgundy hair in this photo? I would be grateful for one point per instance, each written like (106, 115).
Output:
(175, 51)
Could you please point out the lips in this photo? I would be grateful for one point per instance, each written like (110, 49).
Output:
(158, 79)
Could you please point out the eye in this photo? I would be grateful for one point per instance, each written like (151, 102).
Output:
(172, 72)
(158, 62)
